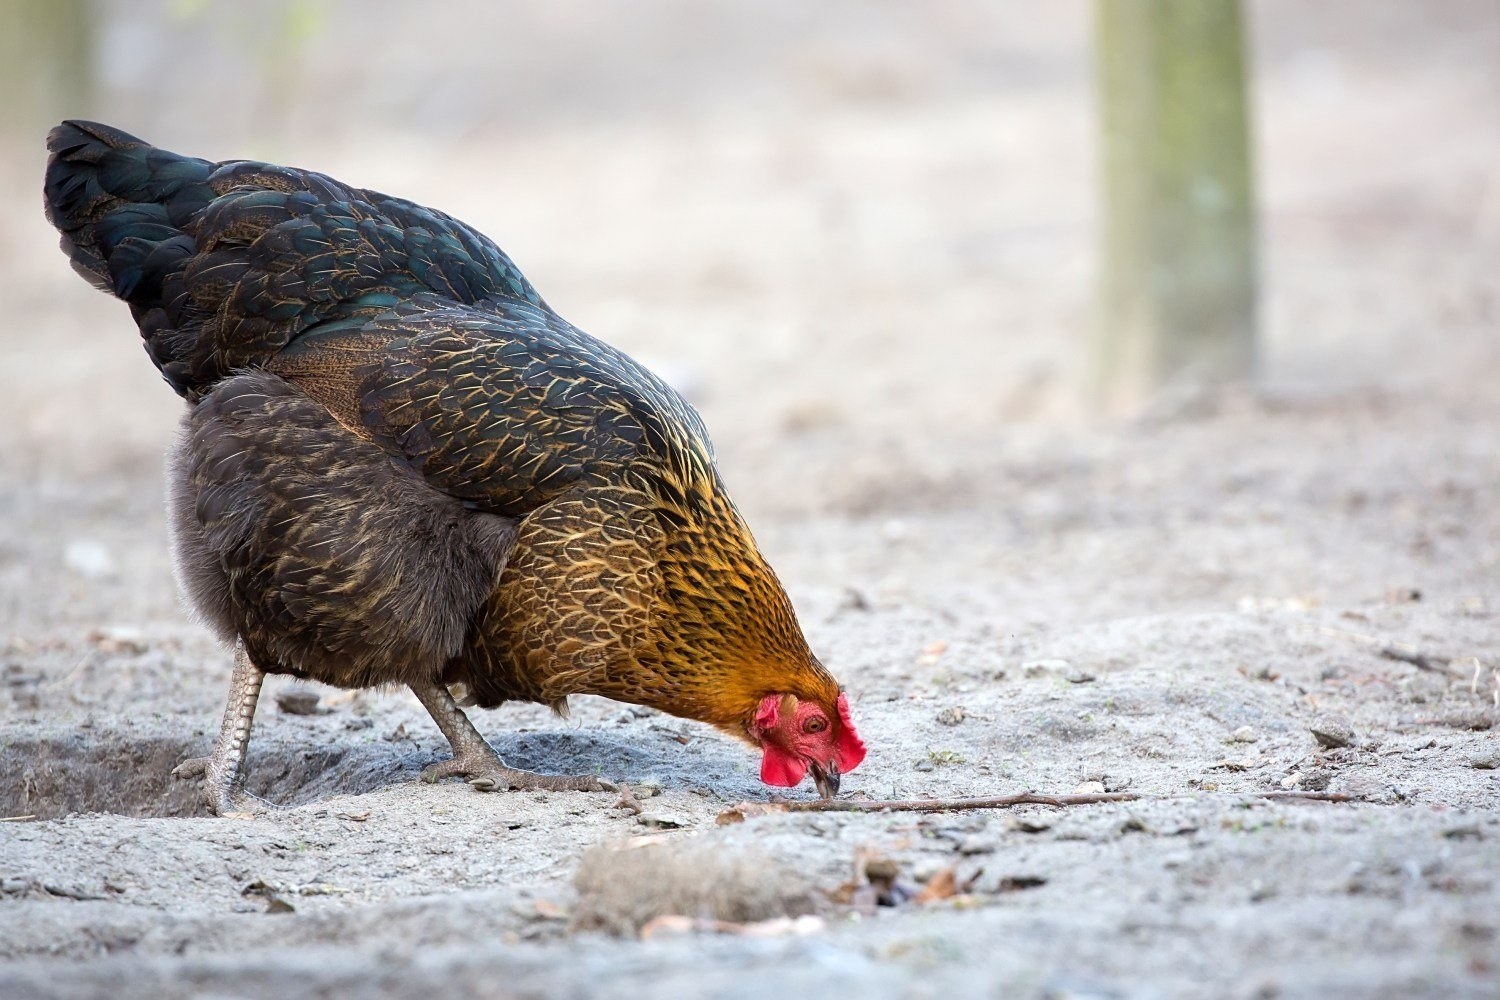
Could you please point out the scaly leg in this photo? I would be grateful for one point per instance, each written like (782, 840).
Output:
(476, 760)
(223, 771)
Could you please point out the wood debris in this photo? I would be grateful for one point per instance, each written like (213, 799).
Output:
(1401, 652)
(742, 811)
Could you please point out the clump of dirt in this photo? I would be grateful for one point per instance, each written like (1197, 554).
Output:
(623, 886)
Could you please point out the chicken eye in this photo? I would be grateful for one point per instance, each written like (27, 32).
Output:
(815, 725)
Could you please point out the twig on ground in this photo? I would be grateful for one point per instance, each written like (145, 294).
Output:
(744, 810)
(1400, 651)
(17, 819)
(1479, 720)
(1311, 796)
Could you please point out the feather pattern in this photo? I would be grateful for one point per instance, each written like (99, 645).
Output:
(400, 465)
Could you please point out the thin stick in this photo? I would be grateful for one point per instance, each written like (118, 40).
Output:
(1400, 651)
(748, 810)
(745, 810)
(1311, 796)
(1405, 654)
(1479, 720)
(17, 819)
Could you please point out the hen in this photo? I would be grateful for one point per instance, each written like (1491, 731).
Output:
(399, 466)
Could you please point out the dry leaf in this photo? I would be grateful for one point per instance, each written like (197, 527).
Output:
(548, 910)
(941, 886)
(627, 800)
(748, 810)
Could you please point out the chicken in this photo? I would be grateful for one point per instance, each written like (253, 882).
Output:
(399, 466)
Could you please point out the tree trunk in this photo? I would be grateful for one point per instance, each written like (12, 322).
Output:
(1178, 281)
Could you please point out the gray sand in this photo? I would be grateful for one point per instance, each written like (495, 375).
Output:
(1017, 597)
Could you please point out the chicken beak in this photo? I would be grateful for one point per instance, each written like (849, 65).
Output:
(826, 777)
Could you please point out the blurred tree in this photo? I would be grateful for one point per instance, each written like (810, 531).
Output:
(46, 62)
(1178, 283)
(278, 35)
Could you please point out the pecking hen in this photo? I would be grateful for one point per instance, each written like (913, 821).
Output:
(399, 466)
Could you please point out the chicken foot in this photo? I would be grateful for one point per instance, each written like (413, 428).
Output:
(223, 771)
(477, 761)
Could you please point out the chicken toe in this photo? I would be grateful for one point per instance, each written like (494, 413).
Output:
(477, 761)
(503, 778)
(222, 792)
(222, 772)
(488, 773)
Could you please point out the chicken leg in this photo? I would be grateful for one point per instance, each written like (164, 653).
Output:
(476, 760)
(223, 771)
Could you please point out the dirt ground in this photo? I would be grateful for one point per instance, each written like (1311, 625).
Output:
(869, 261)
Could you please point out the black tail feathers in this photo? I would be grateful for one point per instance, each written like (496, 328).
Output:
(120, 203)
(225, 264)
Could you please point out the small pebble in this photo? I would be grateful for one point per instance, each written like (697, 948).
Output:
(977, 844)
(299, 701)
(1041, 668)
(1025, 825)
(1090, 788)
(1486, 761)
(1332, 731)
(951, 716)
(1244, 734)
(1078, 675)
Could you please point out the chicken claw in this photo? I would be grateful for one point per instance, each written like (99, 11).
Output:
(477, 761)
(488, 773)
(513, 778)
(223, 793)
(223, 771)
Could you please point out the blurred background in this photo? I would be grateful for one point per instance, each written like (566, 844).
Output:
(867, 239)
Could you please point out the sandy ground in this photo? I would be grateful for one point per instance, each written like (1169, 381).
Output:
(1018, 597)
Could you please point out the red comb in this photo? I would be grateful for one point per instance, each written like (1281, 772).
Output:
(851, 749)
(769, 712)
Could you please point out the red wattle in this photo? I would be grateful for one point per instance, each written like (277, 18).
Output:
(780, 768)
